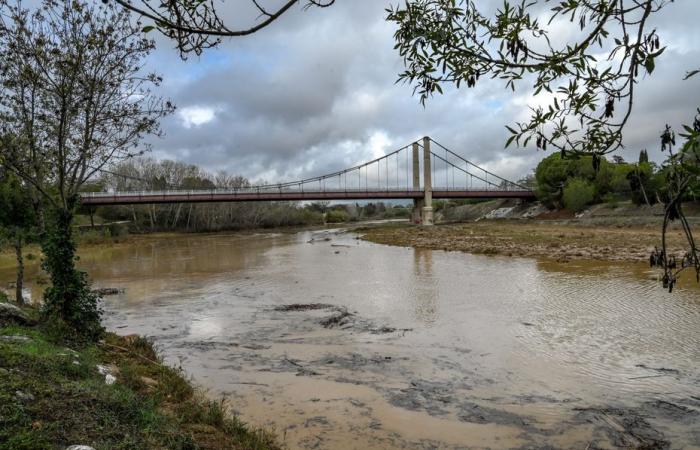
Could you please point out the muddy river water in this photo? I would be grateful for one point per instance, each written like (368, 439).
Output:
(339, 343)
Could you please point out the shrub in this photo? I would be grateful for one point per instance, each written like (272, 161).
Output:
(337, 216)
(578, 193)
(611, 200)
(117, 229)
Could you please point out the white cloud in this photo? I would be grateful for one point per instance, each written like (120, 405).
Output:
(194, 116)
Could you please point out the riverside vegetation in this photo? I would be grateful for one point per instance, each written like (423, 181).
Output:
(52, 393)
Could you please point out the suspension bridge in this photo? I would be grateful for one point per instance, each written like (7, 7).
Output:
(396, 175)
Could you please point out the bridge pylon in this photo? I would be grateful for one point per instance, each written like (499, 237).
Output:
(422, 213)
(417, 213)
(427, 210)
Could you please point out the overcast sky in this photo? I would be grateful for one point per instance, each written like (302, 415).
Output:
(315, 92)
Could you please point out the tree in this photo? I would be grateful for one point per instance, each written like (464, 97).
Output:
(551, 175)
(640, 181)
(196, 26)
(578, 194)
(74, 98)
(643, 157)
(17, 220)
(450, 42)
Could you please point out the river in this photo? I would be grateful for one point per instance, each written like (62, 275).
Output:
(339, 343)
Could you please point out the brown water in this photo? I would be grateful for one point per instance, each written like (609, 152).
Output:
(440, 350)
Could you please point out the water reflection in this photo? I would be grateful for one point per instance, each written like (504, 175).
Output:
(426, 293)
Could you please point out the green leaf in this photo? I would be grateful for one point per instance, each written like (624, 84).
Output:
(649, 64)
(148, 28)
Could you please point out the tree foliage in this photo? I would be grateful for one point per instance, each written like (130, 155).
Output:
(198, 25)
(74, 95)
(590, 97)
(578, 194)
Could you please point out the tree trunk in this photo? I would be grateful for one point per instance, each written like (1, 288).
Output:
(20, 270)
(39, 210)
(646, 199)
(177, 216)
(136, 220)
(189, 216)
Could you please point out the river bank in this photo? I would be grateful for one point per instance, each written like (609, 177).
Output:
(562, 241)
(113, 394)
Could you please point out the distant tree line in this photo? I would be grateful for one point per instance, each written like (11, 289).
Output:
(149, 174)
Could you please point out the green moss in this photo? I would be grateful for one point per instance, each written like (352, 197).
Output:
(52, 396)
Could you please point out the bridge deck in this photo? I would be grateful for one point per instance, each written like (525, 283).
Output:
(135, 198)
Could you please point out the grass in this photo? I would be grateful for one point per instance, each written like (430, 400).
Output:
(151, 406)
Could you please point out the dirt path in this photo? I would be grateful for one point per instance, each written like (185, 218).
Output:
(531, 238)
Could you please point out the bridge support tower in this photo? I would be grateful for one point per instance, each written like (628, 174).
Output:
(422, 213)
(417, 203)
(427, 210)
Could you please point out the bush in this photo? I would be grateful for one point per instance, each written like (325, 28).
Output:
(337, 216)
(577, 194)
(117, 229)
(92, 237)
(611, 200)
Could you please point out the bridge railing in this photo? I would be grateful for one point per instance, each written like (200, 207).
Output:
(264, 190)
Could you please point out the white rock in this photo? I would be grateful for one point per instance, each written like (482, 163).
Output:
(24, 396)
(11, 313)
(80, 447)
(15, 338)
(110, 379)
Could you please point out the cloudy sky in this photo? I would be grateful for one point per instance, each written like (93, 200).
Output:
(315, 92)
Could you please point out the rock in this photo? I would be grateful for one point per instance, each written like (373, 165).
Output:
(24, 396)
(108, 291)
(108, 372)
(80, 447)
(109, 368)
(15, 338)
(10, 314)
(149, 381)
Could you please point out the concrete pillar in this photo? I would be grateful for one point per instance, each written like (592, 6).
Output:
(417, 203)
(427, 216)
